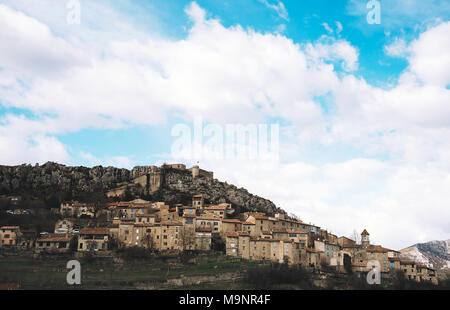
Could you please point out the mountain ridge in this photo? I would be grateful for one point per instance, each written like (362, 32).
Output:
(434, 253)
(176, 185)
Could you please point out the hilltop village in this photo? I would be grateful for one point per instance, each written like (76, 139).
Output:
(199, 226)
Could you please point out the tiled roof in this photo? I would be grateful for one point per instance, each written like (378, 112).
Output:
(10, 227)
(144, 225)
(260, 217)
(215, 208)
(233, 234)
(377, 249)
(231, 221)
(359, 264)
(55, 238)
(94, 231)
(203, 229)
(209, 218)
(394, 259)
(406, 262)
(189, 215)
(364, 233)
(170, 223)
(313, 250)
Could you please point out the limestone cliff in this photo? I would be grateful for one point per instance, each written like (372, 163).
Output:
(176, 185)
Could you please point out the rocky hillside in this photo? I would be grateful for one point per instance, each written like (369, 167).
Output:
(72, 182)
(433, 253)
(180, 186)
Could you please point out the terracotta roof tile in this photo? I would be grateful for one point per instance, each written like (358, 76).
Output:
(94, 231)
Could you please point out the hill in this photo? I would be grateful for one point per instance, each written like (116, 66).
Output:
(434, 253)
(53, 182)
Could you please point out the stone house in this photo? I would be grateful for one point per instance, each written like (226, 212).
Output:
(219, 211)
(93, 238)
(203, 238)
(230, 225)
(249, 226)
(170, 238)
(63, 226)
(213, 222)
(54, 243)
(77, 209)
(314, 258)
(146, 218)
(10, 236)
(198, 201)
(346, 242)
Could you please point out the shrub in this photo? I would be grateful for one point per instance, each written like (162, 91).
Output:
(269, 277)
(134, 253)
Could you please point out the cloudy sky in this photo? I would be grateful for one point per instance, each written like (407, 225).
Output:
(363, 109)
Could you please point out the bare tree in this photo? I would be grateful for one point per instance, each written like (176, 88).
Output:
(148, 242)
(187, 236)
(356, 237)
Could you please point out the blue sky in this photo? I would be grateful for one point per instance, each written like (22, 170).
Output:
(362, 108)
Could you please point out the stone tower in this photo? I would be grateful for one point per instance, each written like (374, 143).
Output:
(365, 242)
(195, 171)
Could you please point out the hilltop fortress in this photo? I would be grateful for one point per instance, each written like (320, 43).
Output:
(152, 178)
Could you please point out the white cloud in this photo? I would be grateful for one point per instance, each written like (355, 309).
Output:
(339, 27)
(327, 28)
(279, 8)
(397, 48)
(28, 44)
(430, 56)
(334, 50)
(238, 75)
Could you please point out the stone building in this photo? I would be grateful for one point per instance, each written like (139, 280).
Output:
(93, 239)
(54, 243)
(9, 236)
(63, 226)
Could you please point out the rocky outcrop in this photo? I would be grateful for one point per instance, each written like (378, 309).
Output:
(57, 177)
(435, 254)
(177, 186)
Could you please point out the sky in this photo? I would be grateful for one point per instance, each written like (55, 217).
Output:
(362, 109)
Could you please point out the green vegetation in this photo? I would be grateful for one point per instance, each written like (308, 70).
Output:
(276, 276)
(49, 272)
(137, 269)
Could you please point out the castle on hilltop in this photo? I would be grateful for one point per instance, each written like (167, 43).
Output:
(151, 178)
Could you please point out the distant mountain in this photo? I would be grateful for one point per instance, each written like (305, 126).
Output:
(435, 254)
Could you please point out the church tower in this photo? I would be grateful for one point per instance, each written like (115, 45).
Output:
(365, 242)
